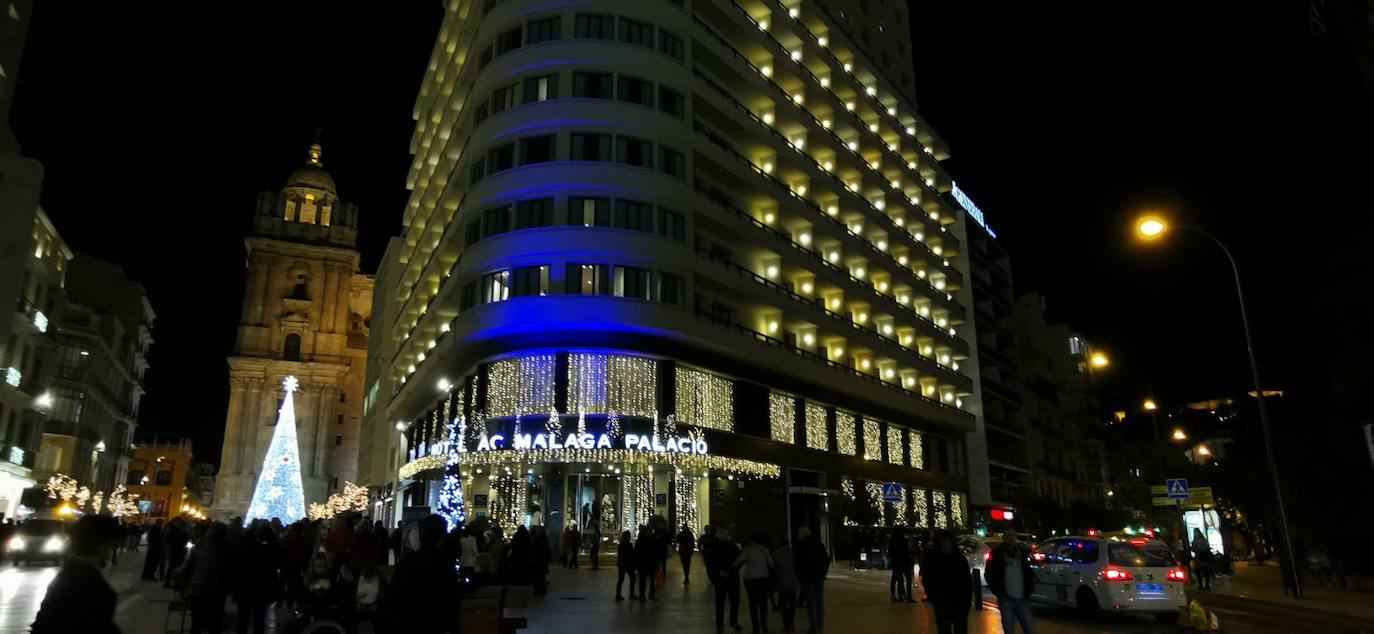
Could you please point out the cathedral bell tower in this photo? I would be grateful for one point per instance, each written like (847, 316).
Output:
(306, 311)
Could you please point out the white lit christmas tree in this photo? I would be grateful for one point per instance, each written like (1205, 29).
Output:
(278, 492)
(451, 506)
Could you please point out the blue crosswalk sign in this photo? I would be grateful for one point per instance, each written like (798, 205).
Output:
(892, 492)
(1177, 488)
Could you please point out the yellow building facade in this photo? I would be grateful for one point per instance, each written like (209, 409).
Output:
(158, 476)
(306, 311)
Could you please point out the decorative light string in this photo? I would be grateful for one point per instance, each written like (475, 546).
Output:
(900, 516)
(738, 467)
(941, 509)
(847, 488)
(894, 445)
(685, 493)
(451, 506)
(631, 385)
(956, 510)
(845, 440)
(520, 385)
(644, 498)
(873, 442)
(705, 400)
(816, 434)
(782, 417)
(917, 449)
(922, 507)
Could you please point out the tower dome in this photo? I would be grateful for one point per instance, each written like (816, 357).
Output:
(312, 175)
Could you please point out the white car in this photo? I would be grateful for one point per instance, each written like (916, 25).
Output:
(1093, 573)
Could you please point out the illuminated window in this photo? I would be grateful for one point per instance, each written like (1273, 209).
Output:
(541, 88)
(589, 212)
(630, 282)
(704, 399)
(586, 279)
(496, 287)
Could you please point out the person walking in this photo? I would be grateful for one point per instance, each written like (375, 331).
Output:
(899, 560)
(572, 541)
(647, 560)
(625, 565)
(424, 579)
(594, 548)
(382, 542)
(1202, 560)
(153, 557)
(720, 565)
(174, 543)
(686, 543)
(79, 599)
(945, 575)
(1011, 580)
(813, 561)
(518, 563)
(204, 580)
(757, 563)
(258, 582)
(539, 559)
(785, 582)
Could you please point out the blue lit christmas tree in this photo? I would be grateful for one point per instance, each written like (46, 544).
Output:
(278, 492)
(451, 493)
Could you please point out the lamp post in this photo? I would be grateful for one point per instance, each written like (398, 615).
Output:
(1150, 406)
(1151, 228)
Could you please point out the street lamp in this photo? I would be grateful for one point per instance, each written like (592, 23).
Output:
(1179, 435)
(1149, 405)
(1099, 360)
(1150, 228)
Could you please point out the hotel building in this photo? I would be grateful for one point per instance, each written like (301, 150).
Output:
(687, 258)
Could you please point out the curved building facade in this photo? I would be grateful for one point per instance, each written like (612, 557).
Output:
(690, 259)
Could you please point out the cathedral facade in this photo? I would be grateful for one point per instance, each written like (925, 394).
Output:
(306, 311)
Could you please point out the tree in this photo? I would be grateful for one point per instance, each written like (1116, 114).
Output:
(278, 491)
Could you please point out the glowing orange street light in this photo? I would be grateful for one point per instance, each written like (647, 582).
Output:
(1099, 360)
(1149, 405)
(1179, 435)
(1150, 227)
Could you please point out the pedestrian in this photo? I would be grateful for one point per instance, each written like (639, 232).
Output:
(624, 565)
(572, 540)
(79, 599)
(1011, 580)
(594, 549)
(518, 562)
(813, 562)
(382, 542)
(467, 553)
(295, 546)
(647, 561)
(720, 566)
(397, 542)
(174, 543)
(258, 582)
(757, 565)
(204, 580)
(785, 582)
(368, 594)
(1202, 560)
(686, 543)
(945, 575)
(539, 559)
(153, 557)
(899, 560)
(424, 579)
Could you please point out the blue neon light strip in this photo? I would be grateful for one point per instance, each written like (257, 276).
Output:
(973, 211)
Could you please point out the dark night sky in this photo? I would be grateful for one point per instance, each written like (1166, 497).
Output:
(159, 124)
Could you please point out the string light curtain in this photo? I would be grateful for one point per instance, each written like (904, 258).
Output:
(956, 510)
(922, 507)
(875, 500)
(873, 444)
(522, 385)
(705, 400)
(845, 438)
(816, 433)
(917, 449)
(894, 444)
(601, 383)
(685, 492)
(940, 507)
(782, 417)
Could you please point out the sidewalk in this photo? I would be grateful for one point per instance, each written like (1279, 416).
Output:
(141, 605)
(1262, 583)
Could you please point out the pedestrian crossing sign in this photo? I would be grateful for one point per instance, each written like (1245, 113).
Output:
(1177, 488)
(892, 492)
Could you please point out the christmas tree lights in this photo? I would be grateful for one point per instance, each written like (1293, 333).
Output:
(278, 493)
(451, 506)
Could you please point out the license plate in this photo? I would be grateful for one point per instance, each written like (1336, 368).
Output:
(1150, 587)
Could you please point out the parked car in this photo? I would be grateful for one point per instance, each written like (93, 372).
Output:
(978, 551)
(38, 540)
(1094, 573)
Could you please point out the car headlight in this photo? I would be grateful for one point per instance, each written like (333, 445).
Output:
(16, 543)
(54, 545)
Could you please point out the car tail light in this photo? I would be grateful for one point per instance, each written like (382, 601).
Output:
(1037, 557)
(1116, 574)
(987, 556)
(1178, 574)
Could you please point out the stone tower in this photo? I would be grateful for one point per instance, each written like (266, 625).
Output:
(306, 313)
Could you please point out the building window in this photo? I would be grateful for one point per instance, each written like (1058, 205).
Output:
(630, 282)
(586, 279)
(472, 233)
(496, 221)
(589, 212)
(534, 213)
(503, 99)
(670, 101)
(484, 58)
(469, 296)
(480, 113)
(635, 90)
(541, 88)
(596, 27)
(338, 440)
(632, 151)
(636, 32)
(508, 41)
(536, 149)
(671, 224)
(530, 280)
(291, 348)
(544, 30)
(478, 170)
(670, 45)
(496, 287)
(671, 289)
(635, 215)
(671, 162)
(163, 478)
(592, 85)
(501, 158)
(135, 477)
(591, 147)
